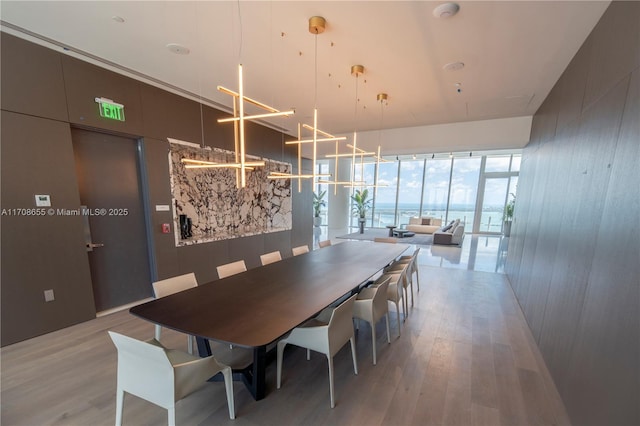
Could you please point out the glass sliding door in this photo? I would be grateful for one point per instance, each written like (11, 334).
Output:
(495, 193)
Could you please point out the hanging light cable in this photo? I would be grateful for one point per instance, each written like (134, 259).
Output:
(317, 26)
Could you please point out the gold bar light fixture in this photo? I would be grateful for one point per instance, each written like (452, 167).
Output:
(382, 98)
(239, 117)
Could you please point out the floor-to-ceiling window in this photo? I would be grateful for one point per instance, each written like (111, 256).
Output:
(472, 188)
(464, 189)
(364, 172)
(409, 190)
(437, 177)
(384, 206)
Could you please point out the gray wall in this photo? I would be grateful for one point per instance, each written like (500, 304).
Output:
(44, 94)
(574, 254)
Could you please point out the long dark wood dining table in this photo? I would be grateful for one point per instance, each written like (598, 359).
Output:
(257, 307)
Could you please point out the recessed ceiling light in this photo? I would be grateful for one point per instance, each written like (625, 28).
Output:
(119, 19)
(178, 49)
(453, 66)
(446, 10)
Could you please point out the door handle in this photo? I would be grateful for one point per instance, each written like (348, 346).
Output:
(91, 246)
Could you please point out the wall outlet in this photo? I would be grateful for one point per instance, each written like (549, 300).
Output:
(48, 296)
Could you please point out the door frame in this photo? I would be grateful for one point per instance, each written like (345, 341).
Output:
(141, 162)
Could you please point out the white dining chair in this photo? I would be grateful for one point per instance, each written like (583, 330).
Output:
(325, 243)
(272, 257)
(371, 305)
(413, 267)
(327, 333)
(395, 293)
(173, 285)
(300, 250)
(397, 268)
(232, 268)
(163, 376)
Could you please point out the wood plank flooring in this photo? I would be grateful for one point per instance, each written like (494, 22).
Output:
(465, 357)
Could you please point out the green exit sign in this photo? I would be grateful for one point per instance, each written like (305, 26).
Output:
(110, 109)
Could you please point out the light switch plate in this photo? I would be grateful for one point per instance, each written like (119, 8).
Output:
(48, 296)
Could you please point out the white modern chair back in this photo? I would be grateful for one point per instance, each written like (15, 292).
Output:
(385, 240)
(173, 285)
(380, 303)
(272, 257)
(405, 269)
(325, 243)
(341, 325)
(143, 369)
(163, 376)
(371, 305)
(395, 292)
(232, 268)
(413, 259)
(300, 250)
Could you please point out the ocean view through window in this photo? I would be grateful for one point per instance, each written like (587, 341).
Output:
(474, 189)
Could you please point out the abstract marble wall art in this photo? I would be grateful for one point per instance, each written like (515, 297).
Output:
(217, 208)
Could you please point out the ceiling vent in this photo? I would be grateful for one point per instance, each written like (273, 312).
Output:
(446, 10)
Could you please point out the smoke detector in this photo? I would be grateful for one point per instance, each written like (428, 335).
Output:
(178, 49)
(446, 10)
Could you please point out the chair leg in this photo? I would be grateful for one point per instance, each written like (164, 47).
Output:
(280, 350)
(373, 341)
(171, 415)
(119, 405)
(386, 317)
(411, 291)
(418, 278)
(330, 361)
(404, 304)
(398, 315)
(353, 354)
(228, 384)
(190, 344)
(308, 354)
(157, 333)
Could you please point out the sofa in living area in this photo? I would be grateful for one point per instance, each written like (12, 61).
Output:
(424, 225)
(452, 234)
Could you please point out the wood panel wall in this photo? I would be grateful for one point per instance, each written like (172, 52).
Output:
(44, 94)
(574, 254)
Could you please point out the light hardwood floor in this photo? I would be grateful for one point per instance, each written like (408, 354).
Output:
(465, 357)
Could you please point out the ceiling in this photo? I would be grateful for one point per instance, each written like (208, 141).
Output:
(513, 53)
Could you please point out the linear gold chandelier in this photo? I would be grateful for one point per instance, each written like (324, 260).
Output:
(239, 118)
